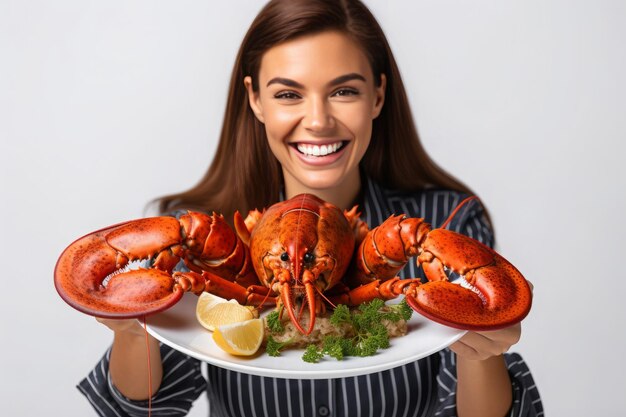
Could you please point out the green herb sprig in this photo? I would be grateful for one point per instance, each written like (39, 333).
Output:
(273, 347)
(274, 323)
(369, 332)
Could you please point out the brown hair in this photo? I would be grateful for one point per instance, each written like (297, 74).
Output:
(245, 174)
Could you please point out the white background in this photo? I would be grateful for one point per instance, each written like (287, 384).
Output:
(106, 105)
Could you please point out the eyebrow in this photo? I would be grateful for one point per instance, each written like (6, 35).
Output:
(339, 80)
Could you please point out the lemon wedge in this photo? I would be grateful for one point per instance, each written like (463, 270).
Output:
(241, 339)
(213, 311)
(207, 300)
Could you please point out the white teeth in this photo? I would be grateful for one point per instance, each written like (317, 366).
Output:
(316, 150)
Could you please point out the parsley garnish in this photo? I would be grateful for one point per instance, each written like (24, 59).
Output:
(369, 332)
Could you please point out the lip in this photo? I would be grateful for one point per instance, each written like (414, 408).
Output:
(319, 160)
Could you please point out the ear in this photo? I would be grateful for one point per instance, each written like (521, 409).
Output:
(380, 96)
(254, 100)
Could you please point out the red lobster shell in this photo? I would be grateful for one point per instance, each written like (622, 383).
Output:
(297, 253)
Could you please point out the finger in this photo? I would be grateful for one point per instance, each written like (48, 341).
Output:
(530, 284)
(124, 325)
(485, 345)
(468, 352)
(509, 335)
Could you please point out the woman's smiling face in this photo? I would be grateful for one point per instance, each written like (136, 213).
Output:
(317, 99)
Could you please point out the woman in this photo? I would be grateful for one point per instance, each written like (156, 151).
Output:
(316, 104)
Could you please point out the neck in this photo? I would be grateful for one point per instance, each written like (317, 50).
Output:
(343, 195)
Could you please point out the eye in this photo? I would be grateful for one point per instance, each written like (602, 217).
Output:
(287, 95)
(284, 257)
(346, 92)
(308, 258)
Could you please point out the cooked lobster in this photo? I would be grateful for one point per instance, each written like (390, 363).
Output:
(300, 254)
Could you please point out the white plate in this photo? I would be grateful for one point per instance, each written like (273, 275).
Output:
(178, 328)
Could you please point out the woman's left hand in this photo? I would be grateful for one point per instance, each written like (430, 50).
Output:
(483, 345)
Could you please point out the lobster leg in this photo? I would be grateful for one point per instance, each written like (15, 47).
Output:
(254, 295)
(385, 290)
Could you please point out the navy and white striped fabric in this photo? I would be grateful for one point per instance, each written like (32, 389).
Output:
(426, 387)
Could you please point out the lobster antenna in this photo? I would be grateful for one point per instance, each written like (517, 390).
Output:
(145, 329)
(267, 295)
(304, 302)
(325, 298)
(456, 209)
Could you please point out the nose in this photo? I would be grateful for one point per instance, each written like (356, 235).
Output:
(318, 117)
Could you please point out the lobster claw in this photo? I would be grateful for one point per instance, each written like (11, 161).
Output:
(86, 275)
(492, 295)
